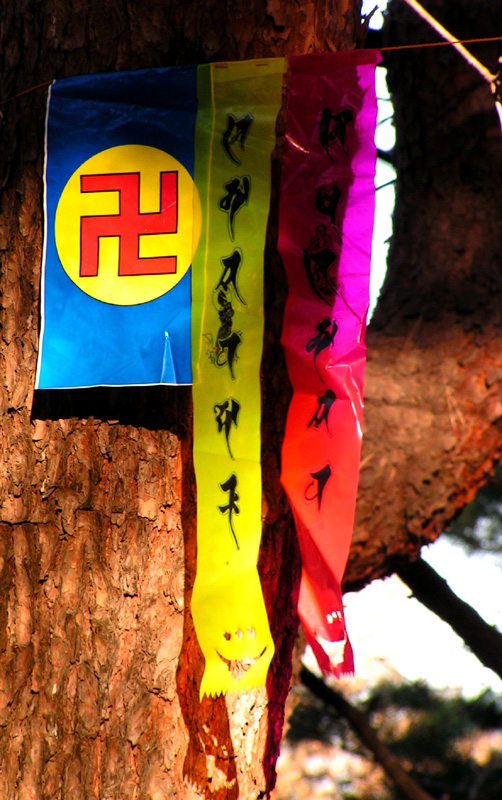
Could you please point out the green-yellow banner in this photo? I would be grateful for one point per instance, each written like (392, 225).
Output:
(235, 135)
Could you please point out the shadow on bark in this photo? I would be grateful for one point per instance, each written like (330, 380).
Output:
(151, 407)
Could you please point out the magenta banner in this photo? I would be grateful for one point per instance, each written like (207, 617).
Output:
(325, 231)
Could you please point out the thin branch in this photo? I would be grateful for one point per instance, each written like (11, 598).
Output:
(433, 592)
(385, 119)
(386, 155)
(483, 71)
(367, 734)
(492, 80)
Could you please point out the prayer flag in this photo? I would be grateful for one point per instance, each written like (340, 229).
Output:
(325, 230)
(235, 136)
(121, 223)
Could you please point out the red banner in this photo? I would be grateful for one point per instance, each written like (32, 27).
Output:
(325, 230)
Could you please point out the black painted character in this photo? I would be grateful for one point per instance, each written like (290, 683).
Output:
(326, 202)
(223, 350)
(334, 127)
(226, 416)
(324, 338)
(237, 194)
(228, 278)
(225, 291)
(227, 340)
(318, 261)
(321, 414)
(230, 486)
(320, 478)
(235, 134)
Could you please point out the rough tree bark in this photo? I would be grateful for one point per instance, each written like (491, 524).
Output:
(433, 419)
(99, 666)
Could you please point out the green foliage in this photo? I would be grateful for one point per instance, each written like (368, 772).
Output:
(486, 710)
(436, 736)
(479, 527)
(312, 719)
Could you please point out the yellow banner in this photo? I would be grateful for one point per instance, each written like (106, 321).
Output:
(235, 134)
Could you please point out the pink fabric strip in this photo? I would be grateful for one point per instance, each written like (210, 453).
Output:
(325, 230)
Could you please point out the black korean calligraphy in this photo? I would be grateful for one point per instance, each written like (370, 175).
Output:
(235, 135)
(231, 507)
(223, 348)
(321, 414)
(326, 202)
(226, 414)
(227, 340)
(319, 261)
(326, 332)
(317, 485)
(237, 194)
(228, 278)
(333, 129)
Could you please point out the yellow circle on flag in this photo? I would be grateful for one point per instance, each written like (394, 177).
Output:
(127, 224)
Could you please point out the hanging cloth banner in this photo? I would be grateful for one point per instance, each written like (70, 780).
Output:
(121, 224)
(158, 177)
(325, 230)
(235, 135)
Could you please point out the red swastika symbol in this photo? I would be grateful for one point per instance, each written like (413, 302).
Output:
(129, 224)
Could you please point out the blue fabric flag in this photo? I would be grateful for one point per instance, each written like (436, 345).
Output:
(121, 223)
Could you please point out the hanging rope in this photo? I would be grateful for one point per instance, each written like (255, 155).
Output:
(26, 91)
(442, 44)
(493, 80)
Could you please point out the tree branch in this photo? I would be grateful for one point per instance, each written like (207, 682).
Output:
(489, 77)
(433, 591)
(478, 66)
(386, 155)
(368, 736)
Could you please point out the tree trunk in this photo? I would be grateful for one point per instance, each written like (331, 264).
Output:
(100, 667)
(433, 419)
